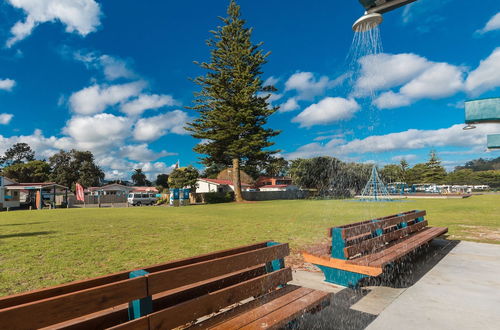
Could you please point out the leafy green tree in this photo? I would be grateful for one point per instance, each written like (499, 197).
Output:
(404, 169)
(434, 172)
(392, 173)
(17, 154)
(139, 178)
(212, 171)
(276, 166)
(462, 177)
(416, 174)
(32, 171)
(71, 167)
(491, 178)
(184, 177)
(233, 105)
(162, 182)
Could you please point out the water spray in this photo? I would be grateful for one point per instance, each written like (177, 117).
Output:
(374, 10)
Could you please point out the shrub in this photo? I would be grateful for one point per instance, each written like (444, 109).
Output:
(219, 197)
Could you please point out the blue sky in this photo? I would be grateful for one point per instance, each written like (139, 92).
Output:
(113, 77)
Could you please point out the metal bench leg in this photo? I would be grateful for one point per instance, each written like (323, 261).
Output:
(342, 277)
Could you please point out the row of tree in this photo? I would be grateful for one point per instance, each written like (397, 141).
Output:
(476, 172)
(65, 167)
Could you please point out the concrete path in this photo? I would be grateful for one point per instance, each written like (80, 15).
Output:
(461, 292)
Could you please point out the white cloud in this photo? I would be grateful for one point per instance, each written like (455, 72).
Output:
(5, 118)
(97, 98)
(141, 152)
(308, 86)
(390, 100)
(43, 146)
(112, 67)
(486, 76)
(439, 81)
(80, 16)
(150, 129)
(492, 25)
(408, 157)
(412, 139)
(384, 71)
(98, 133)
(146, 102)
(7, 84)
(290, 105)
(271, 81)
(418, 77)
(328, 110)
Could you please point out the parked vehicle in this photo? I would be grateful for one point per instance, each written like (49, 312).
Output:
(141, 198)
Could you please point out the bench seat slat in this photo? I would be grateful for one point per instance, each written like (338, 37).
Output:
(243, 308)
(290, 312)
(261, 311)
(50, 311)
(401, 249)
(188, 311)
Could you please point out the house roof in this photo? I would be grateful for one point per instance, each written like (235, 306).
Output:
(144, 188)
(223, 182)
(108, 186)
(275, 186)
(34, 185)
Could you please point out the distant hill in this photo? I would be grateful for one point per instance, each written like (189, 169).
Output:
(481, 165)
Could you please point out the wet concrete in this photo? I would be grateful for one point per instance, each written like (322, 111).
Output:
(448, 285)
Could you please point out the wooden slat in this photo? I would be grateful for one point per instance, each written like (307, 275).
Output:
(170, 279)
(378, 242)
(288, 313)
(137, 324)
(191, 310)
(355, 224)
(113, 317)
(327, 261)
(372, 226)
(24, 298)
(65, 307)
(261, 311)
(402, 248)
(409, 247)
(243, 308)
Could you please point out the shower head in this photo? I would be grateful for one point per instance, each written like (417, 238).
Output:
(367, 22)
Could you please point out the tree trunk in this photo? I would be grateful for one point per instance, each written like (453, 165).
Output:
(237, 180)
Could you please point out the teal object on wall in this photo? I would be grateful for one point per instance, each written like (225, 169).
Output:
(494, 141)
(482, 111)
(140, 307)
(176, 193)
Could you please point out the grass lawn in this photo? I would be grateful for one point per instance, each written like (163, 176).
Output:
(44, 248)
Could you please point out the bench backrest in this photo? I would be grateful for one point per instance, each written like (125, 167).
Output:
(351, 240)
(172, 294)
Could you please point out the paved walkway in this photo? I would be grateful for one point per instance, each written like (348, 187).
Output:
(461, 292)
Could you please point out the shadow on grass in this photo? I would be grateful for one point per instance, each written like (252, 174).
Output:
(22, 224)
(36, 233)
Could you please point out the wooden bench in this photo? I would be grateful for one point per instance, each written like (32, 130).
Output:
(364, 249)
(242, 288)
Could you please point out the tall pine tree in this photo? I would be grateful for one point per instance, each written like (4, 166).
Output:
(233, 102)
